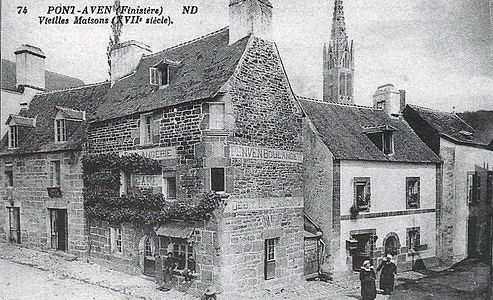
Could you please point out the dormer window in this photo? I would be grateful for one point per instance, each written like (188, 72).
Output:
(63, 116)
(13, 136)
(161, 73)
(382, 137)
(15, 122)
(60, 132)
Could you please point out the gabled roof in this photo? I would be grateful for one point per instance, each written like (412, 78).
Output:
(342, 129)
(53, 81)
(71, 114)
(450, 125)
(21, 121)
(41, 138)
(206, 64)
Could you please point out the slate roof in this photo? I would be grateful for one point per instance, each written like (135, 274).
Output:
(342, 129)
(451, 126)
(43, 107)
(206, 64)
(53, 81)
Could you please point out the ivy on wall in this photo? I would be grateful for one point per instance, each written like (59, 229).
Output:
(103, 202)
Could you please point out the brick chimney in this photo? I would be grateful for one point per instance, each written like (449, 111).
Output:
(388, 98)
(30, 67)
(250, 17)
(125, 57)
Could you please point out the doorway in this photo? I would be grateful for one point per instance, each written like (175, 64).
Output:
(58, 229)
(364, 249)
(391, 245)
(149, 258)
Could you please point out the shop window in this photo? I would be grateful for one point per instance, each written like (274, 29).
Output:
(13, 136)
(116, 239)
(217, 179)
(55, 173)
(14, 225)
(9, 174)
(216, 116)
(362, 193)
(412, 192)
(60, 131)
(413, 238)
(183, 254)
(270, 259)
(473, 188)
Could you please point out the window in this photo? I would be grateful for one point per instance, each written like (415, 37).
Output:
(148, 247)
(217, 179)
(159, 75)
(55, 173)
(382, 137)
(170, 187)
(14, 225)
(216, 115)
(413, 238)
(473, 188)
(9, 174)
(270, 259)
(116, 239)
(362, 193)
(412, 192)
(60, 132)
(13, 136)
(182, 251)
(388, 142)
(146, 129)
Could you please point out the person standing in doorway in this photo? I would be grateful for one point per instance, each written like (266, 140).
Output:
(367, 277)
(389, 269)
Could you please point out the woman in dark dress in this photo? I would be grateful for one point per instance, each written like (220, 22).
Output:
(389, 269)
(367, 277)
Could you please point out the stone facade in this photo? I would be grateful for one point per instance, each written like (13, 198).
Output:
(31, 178)
(259, 149)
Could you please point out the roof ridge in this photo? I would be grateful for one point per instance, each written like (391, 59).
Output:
(340, 104)
(75, 88)
(187, 42)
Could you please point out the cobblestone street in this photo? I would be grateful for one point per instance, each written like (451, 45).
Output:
(42, 275)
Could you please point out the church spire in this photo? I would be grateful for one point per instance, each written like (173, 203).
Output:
(338, 59)
(338, 24)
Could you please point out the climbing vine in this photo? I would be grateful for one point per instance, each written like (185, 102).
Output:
(103, 202)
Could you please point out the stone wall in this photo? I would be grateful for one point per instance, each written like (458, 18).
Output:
(31, 179)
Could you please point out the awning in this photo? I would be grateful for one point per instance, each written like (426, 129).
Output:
(176, 230)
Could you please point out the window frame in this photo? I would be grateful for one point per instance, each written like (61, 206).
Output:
(211, 181)
(409, 189)
(13, 136)
(60, 130)
(181, 246)
(357, 181)
(217, 120)
(166, 187)
(145, 128)
(9, 178)
(388, 138)
(116, 239)
(270, 258)
(14, 217)
(412, 240)
(473, 188)
(55, 175)
(159, 75)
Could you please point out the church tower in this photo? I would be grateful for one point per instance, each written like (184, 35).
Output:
(338, 68)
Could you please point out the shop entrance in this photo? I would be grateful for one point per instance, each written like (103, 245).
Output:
(58, 229)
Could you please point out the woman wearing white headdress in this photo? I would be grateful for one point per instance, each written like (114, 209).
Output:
(389, 269)
(367, 277)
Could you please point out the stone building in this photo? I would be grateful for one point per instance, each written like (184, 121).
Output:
(41, 171)
(465, 214)
(338, 61)
(370, 183)
(24, 78)
(219, 114)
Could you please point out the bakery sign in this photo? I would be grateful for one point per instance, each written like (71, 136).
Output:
(247, 152)
(154, 153)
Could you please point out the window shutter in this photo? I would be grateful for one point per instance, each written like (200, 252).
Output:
(153, 75)
(155, 131)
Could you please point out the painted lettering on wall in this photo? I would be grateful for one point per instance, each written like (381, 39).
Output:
(247, 152)
(154, 153)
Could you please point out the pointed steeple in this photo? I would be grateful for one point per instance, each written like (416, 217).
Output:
(338, 24)
(338, 57)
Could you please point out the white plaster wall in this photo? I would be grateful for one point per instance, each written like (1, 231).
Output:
(388, 193)
(466, 158)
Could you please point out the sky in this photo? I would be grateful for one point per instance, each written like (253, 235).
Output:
(439, 51)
